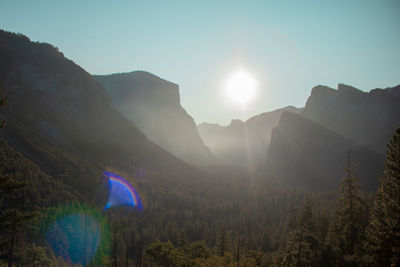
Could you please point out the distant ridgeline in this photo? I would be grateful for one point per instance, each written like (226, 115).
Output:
(243, 143)
(94, 171)
(308, 146)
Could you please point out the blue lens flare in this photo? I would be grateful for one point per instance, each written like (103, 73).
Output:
(75, 238)
(121, 192)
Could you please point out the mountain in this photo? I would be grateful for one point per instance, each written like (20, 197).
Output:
(242, 143)
(55, 104)
(153, 104)
(305, 154)
(370, 119)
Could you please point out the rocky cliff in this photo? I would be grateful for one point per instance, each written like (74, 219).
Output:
(153, 105)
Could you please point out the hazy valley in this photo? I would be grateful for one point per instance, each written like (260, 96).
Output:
(246, 194)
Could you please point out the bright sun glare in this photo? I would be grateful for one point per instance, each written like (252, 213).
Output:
(240, 87)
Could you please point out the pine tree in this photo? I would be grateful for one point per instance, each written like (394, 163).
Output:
(346, 230)
(164, 254)
(183, 243)
(383, 232)
(223, 242)
(199, 249)
(302, 242)
(266, 245)
(237, 250)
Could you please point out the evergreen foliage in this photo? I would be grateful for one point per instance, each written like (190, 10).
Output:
(347, 228)
(223, 242)
(268, 229)
(302, 242)
(383, 232)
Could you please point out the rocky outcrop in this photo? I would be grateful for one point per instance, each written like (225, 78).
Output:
(369, 119)
(153, 105)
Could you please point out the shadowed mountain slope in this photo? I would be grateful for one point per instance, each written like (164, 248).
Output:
(55, 102)
(304, 153)
(366, 118)
(153, 104)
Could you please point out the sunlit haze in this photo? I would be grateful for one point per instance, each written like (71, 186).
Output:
(289, 46)
(199, 133)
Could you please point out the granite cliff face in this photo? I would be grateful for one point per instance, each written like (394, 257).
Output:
(153, 105)
(53, 101)
(369, 119)
(305, 154)
(310, 149)
(242, 143)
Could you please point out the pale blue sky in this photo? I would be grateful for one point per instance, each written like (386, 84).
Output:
(289, 46)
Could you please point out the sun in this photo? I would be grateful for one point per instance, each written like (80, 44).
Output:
(240, 87)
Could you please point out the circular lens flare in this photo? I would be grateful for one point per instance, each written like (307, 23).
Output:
(75, 237)
(77, 233)
(241, 87)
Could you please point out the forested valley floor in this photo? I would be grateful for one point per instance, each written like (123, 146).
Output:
(224, 218)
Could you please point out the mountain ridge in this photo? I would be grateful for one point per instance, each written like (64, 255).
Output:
(242, 142)
(368, 118)
(153, 104)
(69, 108)
(66, 102)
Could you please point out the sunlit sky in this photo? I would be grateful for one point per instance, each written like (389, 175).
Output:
(288, 46)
